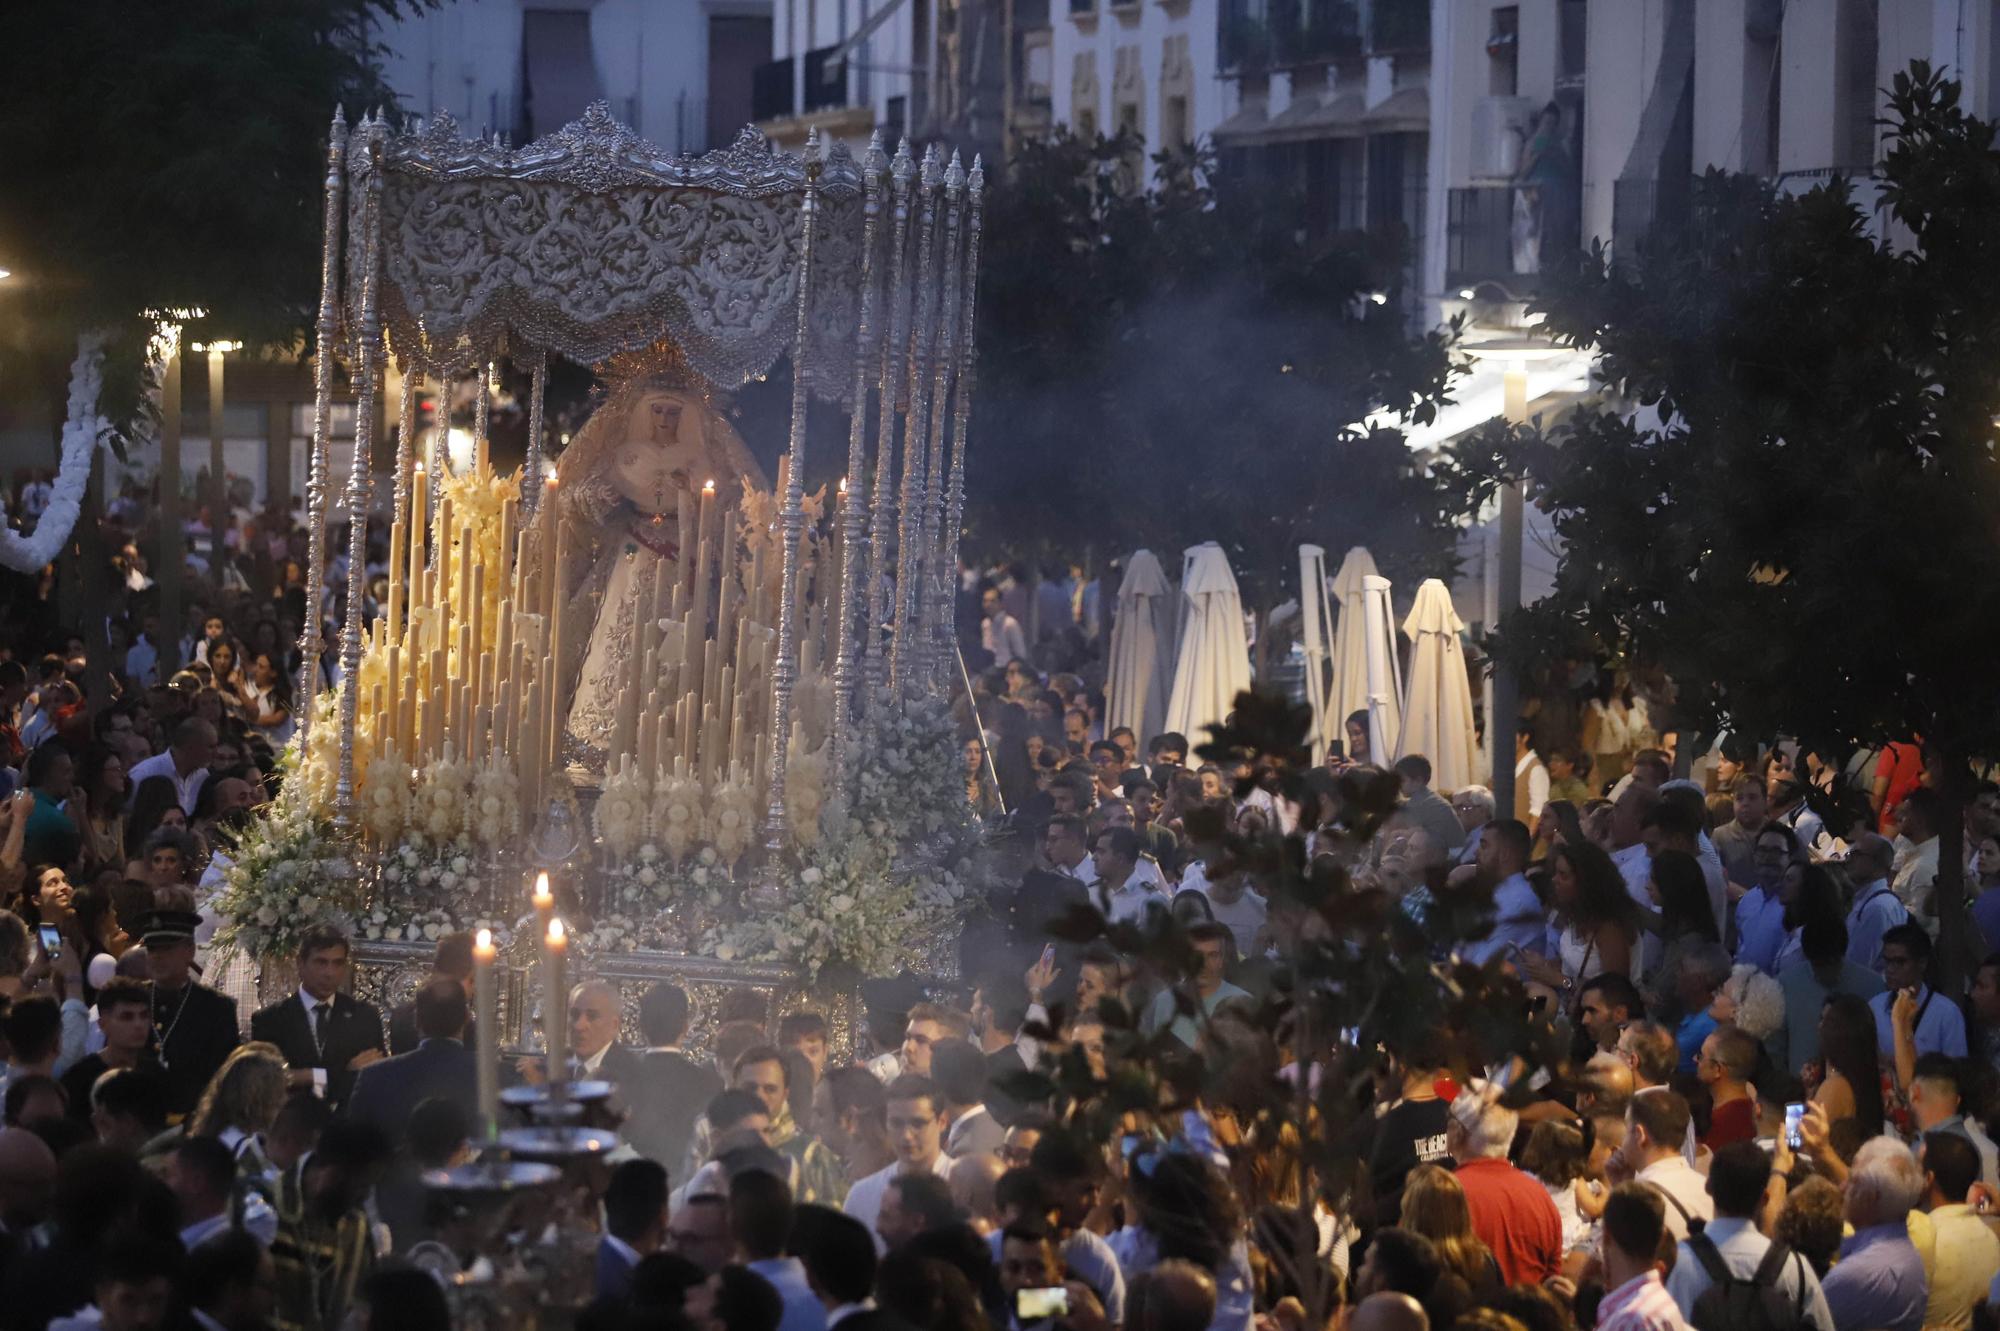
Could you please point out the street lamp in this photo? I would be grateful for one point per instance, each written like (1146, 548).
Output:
(1503, 689)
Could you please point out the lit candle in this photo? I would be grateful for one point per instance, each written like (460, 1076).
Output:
(555, 1001)
(544, 902)
(486, 1017)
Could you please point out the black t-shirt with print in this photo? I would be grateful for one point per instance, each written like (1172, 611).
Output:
(1408, 1134)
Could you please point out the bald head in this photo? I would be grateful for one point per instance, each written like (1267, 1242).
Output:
(1176, 1295)
(27, 1178)
(973, 1178)
(1388, 1312)
(1609, 1081)
(1869, 858)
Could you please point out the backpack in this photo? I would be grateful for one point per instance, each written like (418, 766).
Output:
(1733, 1304)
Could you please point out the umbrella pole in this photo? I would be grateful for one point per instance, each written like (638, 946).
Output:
(972, 704)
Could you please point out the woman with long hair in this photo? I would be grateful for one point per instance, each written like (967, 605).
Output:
(1595, 924)
(95, 931)
(241, 1103)
(1680, 896)
(1557, 1155)
(1559, 825)
(98, 807)
(1811, 895)
(1183, 1207)
(979, 789)
(1850, 1086)
(155, 804)
(266, 697)
(1434, 1206)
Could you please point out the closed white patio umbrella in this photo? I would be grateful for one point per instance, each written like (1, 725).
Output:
(1349, 693)
(1141, 668)
(1213, 664)
(1437, 720)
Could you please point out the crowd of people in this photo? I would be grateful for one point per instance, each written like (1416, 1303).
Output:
(1773, 1114)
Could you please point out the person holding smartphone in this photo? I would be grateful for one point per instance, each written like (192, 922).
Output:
(1032, 1277)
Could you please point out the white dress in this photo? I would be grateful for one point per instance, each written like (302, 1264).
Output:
(607, 663)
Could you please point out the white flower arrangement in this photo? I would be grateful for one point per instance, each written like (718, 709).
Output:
(732, 817)
(277, 886)
(495, 812)
(621, 810)
(442, 789)
(805, 789)
(676, 811)
(385, 804)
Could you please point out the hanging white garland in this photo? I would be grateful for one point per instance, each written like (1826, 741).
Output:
(82, 432)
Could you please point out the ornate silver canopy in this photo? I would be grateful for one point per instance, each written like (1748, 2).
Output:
(591, 244)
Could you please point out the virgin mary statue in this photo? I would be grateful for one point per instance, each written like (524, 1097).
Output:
(620, 485)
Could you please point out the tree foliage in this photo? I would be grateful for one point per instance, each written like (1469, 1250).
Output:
(1796, 524)
(1798, 527)
(1165, 367)
(172, 156)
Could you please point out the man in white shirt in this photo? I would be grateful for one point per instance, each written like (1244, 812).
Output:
(1737, 1178)
(1000, 633)
(1115, 893)
(1237, 908)
(1519, 920)
(1656, 1127)
(1628, 840)
(1066, 851)
(916, 1134)
(185, 762)
(1917, 851)
(1531, 778)
(1473, 807)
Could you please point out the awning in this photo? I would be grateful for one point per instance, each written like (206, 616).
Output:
(1340, 117)
(1295, 121)
(1245, 127)
(1405, 112)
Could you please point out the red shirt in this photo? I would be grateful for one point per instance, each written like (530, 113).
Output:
(1733, 1121)
(1903, 766)
(1512, 1215)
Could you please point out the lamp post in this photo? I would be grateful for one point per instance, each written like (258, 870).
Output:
(1503, 578)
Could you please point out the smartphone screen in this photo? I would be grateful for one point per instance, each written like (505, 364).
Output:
(1794, 1111)
(51, 941)
(1038, 1305)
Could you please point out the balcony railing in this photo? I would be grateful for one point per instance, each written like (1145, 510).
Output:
(1267, 34)
(771, 90)
(1507, 235)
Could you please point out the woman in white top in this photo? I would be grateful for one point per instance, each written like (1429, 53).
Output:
(1595, 922)
(1607, 737)
(267, 700)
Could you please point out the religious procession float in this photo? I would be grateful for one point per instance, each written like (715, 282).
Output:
(713, 711)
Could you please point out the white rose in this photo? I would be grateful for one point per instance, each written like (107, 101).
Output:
(724, 952)
(840, 904)
(267, 916)
(459, 864)
(447, 880)
(413, 932)
(431, 931)
(373, 931)
(810, 875)
(648, 877)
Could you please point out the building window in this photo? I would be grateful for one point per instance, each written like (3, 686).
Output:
(896, 119)
(1503, 52)
(1174, 131)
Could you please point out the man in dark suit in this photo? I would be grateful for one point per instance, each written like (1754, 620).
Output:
(839, 1253)
(325, 1035)
(194, 1027)
(671, 1088)
(635, 1224)
(453, 960)
(441, 1067)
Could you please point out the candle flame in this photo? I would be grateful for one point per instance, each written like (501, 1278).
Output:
(843, 485)
(708, 487)
(420, 469)
(484, 940)
(557, 934)
(542, 894)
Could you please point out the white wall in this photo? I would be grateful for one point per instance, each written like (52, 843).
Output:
(1145, 25)
(651, 57)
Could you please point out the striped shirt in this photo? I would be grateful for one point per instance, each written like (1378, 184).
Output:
(1640, 1304)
